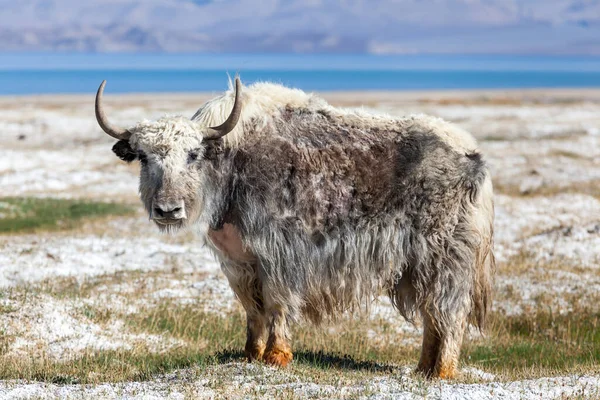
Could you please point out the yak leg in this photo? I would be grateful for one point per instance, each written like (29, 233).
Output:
(431, 347)
(441, 346)
(244, 283)
(447, 362)
(256, 333)
(279, 351)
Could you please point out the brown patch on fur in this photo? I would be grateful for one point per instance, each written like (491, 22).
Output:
(278, 354)
(229, 242)
(446, 371)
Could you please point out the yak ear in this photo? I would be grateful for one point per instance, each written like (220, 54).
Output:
(124, 151)
(214, 147)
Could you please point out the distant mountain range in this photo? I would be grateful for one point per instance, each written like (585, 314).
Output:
(303, 26)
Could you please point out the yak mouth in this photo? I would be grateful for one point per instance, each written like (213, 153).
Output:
(168, 224)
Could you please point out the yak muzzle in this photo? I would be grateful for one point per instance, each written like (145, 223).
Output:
(168, 212)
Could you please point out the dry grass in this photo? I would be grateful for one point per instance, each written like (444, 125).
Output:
(208, 339)
(477, 101)
(516, 347)
(527, 346)
(591, 188)
(567, 154)
(526, 263)
(539, 344)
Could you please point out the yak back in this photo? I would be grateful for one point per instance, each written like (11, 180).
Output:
(323, 169)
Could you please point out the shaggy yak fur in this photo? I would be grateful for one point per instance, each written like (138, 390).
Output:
(313, 210)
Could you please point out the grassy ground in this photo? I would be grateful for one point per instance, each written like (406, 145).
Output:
(515, 347)
(543, 344)
(591, 188)
(28, 214)
(538, 343)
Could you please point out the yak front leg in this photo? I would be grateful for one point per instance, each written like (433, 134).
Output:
(256, 327)
(278, 351)
(256, 334)
(244, 282)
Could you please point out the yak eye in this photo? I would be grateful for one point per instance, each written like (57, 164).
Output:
(143, 158)
(192, 156)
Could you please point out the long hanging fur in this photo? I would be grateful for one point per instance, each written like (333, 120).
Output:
(337, 206)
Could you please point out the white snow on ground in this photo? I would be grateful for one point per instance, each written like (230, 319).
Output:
(535, 225)
(532, 165)
(573, 242)
(54, 328)
(248, 380)
(53, 148)
(554, 289)
(65, 173)
(31, 258)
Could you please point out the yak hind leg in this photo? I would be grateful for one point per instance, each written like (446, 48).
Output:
(442, 340)
(430, 349)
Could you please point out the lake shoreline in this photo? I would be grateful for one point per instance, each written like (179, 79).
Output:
(583, 94)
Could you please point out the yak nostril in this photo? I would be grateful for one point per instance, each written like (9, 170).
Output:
(168, 211)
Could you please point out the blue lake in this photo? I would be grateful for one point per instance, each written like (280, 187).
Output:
(142, 73)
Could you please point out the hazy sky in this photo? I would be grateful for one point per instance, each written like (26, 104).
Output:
(303, 26)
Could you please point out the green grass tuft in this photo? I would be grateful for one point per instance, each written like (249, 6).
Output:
(544, 343)
(29, 214)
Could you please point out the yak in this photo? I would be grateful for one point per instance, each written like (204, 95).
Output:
(313, 210)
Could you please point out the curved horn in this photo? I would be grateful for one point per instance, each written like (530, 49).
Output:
(233, 118)
(114, 131)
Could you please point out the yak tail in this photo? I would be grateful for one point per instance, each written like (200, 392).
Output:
(485, 263)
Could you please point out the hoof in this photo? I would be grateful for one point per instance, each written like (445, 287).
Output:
(446, 373)
(255, 351)
(432, 373)
(278, 356)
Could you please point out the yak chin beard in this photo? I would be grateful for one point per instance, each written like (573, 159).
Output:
(170, 226)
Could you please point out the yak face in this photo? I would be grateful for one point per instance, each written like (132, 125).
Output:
(174, 153)
(173, 159)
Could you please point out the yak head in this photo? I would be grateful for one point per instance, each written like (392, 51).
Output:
(174, 153)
